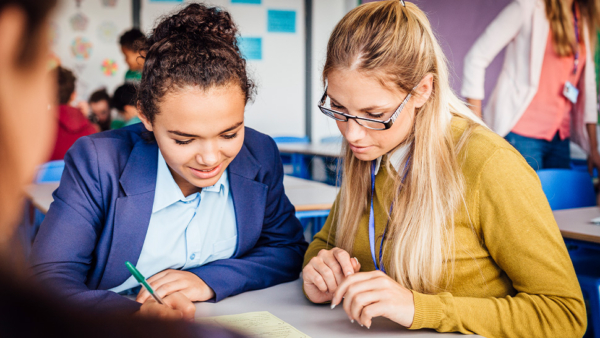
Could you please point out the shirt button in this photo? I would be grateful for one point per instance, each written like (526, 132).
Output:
(193, 256)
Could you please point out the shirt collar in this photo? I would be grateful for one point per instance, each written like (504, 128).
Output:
(168, 192)
(396, 158)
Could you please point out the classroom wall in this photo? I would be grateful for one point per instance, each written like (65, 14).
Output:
(279, 107)
(84, 36)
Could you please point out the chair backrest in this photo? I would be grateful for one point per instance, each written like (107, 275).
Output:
(291, 139)
(50, 172)
(332, 139)
(567, 189)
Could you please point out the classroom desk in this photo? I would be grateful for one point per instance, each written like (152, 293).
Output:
(287, 302)
(305, 195)
(575, 224)
(333, 149)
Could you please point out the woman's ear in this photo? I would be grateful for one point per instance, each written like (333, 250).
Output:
(423, 91)
(143, 118)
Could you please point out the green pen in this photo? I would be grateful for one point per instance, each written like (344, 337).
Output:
(140, 278)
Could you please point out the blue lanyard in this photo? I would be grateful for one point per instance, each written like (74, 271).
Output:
(379, 265)
(576, 49)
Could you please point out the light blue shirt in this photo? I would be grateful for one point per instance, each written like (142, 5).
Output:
(186, 232)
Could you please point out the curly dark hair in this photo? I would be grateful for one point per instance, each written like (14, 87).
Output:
(195, 47)
(66, 84)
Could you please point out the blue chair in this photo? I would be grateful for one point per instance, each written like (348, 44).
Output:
(315, 218)
(581, 165)
(294, 164)
(567, 189)
(47, 173)
(50, 172)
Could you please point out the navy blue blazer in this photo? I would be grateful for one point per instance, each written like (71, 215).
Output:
(102, 208)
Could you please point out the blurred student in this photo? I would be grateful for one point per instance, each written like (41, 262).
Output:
(131, 42)
(99, 104)
(439, 223)
(192, 197)
(72, 123)
(546, 93)
(26, 133)
(124, 100)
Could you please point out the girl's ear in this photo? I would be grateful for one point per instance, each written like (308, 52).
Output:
(423, 91)
(143, 118)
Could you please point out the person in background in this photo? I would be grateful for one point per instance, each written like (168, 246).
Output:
(27, 129)
(72, 123)
(131, 43)
(100, 107)
(439, 223)
(125, 102)
(546, 93)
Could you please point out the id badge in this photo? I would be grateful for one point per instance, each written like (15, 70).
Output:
(571, 92)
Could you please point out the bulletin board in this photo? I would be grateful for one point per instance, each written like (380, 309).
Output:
(272, 40)
(84, 36)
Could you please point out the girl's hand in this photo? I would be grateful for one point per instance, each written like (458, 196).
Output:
(373, 294)
(176, 307)
(169, 281)
(325, 272)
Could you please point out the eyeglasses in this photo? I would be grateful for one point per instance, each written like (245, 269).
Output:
(363, 121)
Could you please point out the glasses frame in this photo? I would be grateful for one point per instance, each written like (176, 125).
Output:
(387, 123)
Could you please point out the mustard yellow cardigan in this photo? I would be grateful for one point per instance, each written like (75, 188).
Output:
(512, 275)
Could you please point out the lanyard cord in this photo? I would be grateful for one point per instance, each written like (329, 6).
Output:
(379, 265)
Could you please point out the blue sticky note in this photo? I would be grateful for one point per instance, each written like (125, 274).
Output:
(279, 21)
(249, 2)
(251, 48)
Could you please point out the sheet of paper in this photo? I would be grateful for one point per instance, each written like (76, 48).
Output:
(255, 324)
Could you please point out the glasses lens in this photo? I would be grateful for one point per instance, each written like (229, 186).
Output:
(333, 114)
(371, 124)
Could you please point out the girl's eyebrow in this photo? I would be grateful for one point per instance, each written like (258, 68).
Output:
(362, 109)
(180, 133)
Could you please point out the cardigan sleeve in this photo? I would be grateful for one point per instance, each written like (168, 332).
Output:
(324, 239)
(522, 237)
(496, 36)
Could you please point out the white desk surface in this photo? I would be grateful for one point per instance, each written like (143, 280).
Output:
(333, 149)
(304, 194)
(575, 223)
(287, 302)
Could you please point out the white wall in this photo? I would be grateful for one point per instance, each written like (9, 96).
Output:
(104, 46)
(326, 14)
(279, 107)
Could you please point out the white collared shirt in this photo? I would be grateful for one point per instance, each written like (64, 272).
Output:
(397, 158)
(186, 232)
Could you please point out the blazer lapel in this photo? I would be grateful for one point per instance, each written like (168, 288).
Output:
(132, 213)
(249, 200)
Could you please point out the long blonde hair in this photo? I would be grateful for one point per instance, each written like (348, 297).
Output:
(561, 24)
(396, 45)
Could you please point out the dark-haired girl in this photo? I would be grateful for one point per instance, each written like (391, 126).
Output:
(191, 197)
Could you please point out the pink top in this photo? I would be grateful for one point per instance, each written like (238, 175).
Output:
(549, 111)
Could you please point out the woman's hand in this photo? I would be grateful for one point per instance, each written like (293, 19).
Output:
(325, 272)
(169, 281)
(176, 307)
(374, 294)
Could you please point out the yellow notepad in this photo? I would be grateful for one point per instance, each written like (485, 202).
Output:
(255, 324)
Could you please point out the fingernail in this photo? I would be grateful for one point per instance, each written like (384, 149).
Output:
(361, 325)
(332, 306)
(368, 327)
(352, 321)
(356, 259)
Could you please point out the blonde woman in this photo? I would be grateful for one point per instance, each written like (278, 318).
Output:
(546, 93)
(439, 223)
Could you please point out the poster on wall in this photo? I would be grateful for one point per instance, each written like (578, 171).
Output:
(84, 35)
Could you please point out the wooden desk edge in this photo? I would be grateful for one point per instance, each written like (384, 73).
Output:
(312, 207)
(579, 236)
